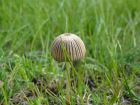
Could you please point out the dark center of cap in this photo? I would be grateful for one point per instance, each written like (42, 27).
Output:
(67, 34)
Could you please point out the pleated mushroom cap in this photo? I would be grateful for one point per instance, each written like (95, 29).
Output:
(73, 45)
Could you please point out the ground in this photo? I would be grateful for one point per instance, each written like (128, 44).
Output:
(108, 75)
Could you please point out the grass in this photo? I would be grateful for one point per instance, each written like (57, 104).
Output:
(110, 72)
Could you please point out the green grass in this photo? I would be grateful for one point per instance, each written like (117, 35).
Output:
(110, 30)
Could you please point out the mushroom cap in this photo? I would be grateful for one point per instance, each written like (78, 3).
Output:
(73, 45)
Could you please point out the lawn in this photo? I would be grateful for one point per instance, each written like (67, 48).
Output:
(108, 75)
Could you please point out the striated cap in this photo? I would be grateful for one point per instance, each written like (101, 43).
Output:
(73, 45)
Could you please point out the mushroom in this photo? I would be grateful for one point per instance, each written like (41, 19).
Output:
(68, 47)
(69, 43)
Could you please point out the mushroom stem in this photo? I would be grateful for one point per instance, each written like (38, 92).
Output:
(68, 83)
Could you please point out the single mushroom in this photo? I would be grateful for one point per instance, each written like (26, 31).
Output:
(73, 46)
(68, 47)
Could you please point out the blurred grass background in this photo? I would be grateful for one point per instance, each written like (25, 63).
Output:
(110, 30)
